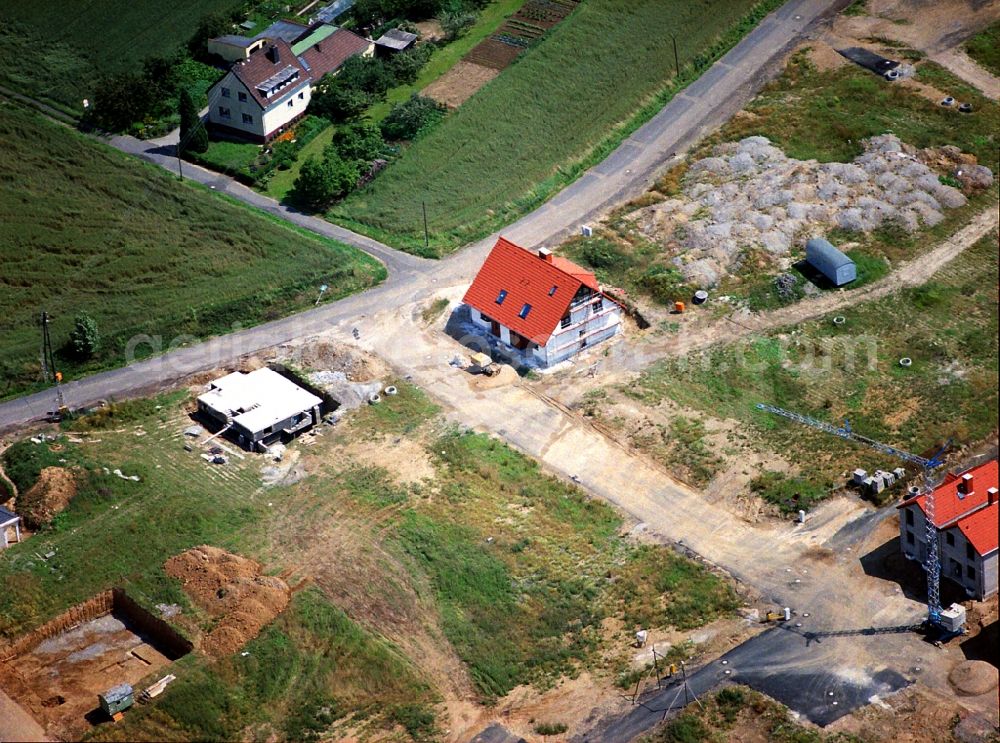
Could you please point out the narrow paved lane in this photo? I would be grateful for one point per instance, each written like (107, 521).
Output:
(704, 105)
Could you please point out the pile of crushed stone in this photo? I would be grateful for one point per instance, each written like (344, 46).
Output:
(231, 589)
(750, 196)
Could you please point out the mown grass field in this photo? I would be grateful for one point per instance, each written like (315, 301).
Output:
(88, 229)
(518, 569)
(948, 327)
(534, 128)
(811, 114)
(61, 47)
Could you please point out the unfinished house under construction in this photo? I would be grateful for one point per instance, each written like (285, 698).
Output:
(260, 407)
(965, 513)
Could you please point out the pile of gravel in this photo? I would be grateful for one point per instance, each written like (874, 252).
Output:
(750, 196)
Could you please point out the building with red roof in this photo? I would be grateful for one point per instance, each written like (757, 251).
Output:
(966, 514)
(270, 83)
(542, 306)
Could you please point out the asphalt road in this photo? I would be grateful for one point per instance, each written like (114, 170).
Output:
(704, 105)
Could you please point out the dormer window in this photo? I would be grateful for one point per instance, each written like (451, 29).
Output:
(501, 296)
(524, 311)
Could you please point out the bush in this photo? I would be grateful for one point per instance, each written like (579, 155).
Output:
(789, 494)
(120, 100)
(730, 700)
(551, 728)
(84, 340)
(600, 253)
(417, 719)
(408, 119)
(360, 142)
(24, 461)
(686, 729)
(663, 283)
(338, 103)
(283, 155)
(406, 66)
(321, 182)
(457, 22)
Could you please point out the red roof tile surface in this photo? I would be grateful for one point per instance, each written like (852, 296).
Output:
(329, 54)
(981, 528)
(261, 67)
(976, 520)
(528, 279)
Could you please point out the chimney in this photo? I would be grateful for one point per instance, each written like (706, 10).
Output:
(991, 496)
(545, 254)
(274, 54)
(966, 485)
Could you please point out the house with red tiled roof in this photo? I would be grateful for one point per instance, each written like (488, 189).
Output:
(966, 514)
(262, 95)
(270, 83)
(541, 306)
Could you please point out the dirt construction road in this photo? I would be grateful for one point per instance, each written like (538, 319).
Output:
(790, 564)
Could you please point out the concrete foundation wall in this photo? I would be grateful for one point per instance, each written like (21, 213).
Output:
(114, 601)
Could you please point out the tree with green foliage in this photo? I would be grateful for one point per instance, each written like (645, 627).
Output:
(321, 182)
(339, 103)
(407, 119)
(406, 66)
(121, 100)
(360, 142)
(84, 340)
(454, 23)
(377, 12)
(193, 136)
(370, 74)
(210, 26)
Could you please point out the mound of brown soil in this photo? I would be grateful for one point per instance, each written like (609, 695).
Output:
(358, 365)
(973, 677)
(55, 488)
(232, 589)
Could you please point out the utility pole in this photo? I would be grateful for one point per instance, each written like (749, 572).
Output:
(685, 677)
(677, 63)
(48, 360)
(427, 239)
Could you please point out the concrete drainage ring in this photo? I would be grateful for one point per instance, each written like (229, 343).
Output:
(892, 75)
(965, 108)
(374, 399)
(948, 101)
(839, 320)
(391, 390)
(905, 362)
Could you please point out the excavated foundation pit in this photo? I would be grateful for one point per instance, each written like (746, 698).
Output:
(56, 672)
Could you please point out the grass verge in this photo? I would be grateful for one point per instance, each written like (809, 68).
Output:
(139, 252)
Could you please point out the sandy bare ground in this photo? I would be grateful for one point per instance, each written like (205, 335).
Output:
(928, 25)
(459, 83)
(965, 67)
(16, 724)
(935, 27)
